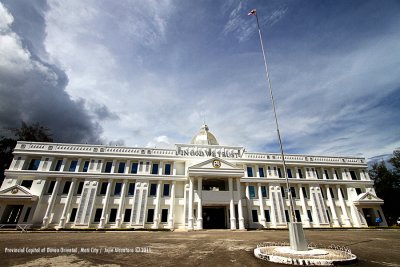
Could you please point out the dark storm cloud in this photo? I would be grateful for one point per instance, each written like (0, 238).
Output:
(31, 89)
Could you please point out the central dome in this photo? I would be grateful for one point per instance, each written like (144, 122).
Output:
(204, 137)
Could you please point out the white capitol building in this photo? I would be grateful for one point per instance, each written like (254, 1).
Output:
(193, 186)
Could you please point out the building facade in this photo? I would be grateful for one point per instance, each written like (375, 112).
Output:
(193, 186)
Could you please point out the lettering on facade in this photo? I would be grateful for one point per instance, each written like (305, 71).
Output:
(209, 152)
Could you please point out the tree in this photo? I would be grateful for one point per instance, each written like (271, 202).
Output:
(34, 132)
(387, 186)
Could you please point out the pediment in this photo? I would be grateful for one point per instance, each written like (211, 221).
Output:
(216, 167)
(17, 192)
(367, 198)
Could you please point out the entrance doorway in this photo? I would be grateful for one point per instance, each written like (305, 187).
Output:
(11, 214)
(214, 218)
(370, 217)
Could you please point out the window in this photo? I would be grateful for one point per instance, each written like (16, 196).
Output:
(80, 187)
(326, 174)
(66, 188)
(73, 215)
(254, 215)
(283, 192)
(28, 210)
(85, 166)
(103, 189)
(108, 167)
(113, 215)
(358, 190)
(309, 215)
(287, 216)
(167, 169)
(27, 183)
(252, 192)
(322, 192)
(117, 189)
(134, 168)
(267, 216)
(72, 166)
(342, 193)
(263, 191)
(97, 215)
(249, 172)
(127, 215)
(293, 191)
(327, 214)
(269, 170)
(289, 173)
(353, 175)
(317, 173)
(34, 164)
(131, 189)
(298, 217)
(331, 191)
(261, 172)
(121, 167)
(153, 190)
(164, 215)
(150, 215)
(166, 190)
(51, 187)
(337, 175)
(279, 172)
(304, 192)
(57, 168)
(147, 167)
(154, 169)
(300, 173)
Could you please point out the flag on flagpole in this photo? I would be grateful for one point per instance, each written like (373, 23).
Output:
(252, 12)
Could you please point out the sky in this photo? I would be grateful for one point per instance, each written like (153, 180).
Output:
(148, 73)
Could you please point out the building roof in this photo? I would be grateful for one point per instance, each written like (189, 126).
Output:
(204, 137)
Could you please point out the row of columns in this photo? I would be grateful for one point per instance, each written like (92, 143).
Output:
(51, 203)
(303, 204)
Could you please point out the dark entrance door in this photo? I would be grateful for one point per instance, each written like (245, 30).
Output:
(11, 214)
(214, 218)
(369, 216)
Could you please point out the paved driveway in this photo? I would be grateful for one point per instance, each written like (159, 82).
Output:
(204, 248)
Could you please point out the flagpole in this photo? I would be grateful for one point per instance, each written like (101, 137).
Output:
(292, 214)
(296, 234)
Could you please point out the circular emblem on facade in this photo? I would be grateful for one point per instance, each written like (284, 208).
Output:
(14, 191)
(216, 163)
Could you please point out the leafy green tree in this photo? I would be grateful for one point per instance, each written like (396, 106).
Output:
(34, 132)
(387, 186)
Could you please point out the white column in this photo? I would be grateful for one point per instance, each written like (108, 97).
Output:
(172, 207)
(67, 203)
(121, 204)
(260, 200)
(240, 207)
(273, 214)
(173, 168)
(78, 165)
(63, 164)
(105, 205)
(49, 209)
(333, 210)
(232, 205)
(160, 168)
(346, 220)
(127, 166)
(257, 171)
(248, 205)
(199, 204)
(306, 220)
(190, 211)
(114, 162)
(157, 207)
(334, 174)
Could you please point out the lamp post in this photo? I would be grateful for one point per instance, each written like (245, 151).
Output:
(296, 233)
